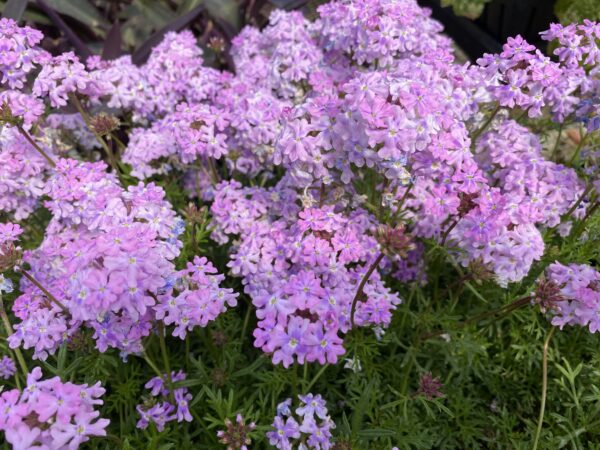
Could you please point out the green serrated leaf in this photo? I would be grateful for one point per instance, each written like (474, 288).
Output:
(14, 9)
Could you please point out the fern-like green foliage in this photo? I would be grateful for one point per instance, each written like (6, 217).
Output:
(569, 11)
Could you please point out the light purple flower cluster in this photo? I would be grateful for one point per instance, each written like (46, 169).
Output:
(173, 73)
(380, 31)
(302, 271)
(18, 52)
(51, 414)
(190, 133)
(522, 76)
(576, 46)
(195, 299)
(160, 410)
(7, 367)
(308, 427)
(578, 299)
(22, 174)
(65, 75)
(108, 257)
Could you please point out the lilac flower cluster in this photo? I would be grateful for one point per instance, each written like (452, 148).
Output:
(307, 427)
(160, 409)
(23, 172)
(301, 271)
(51, 414)
(378, 32)
(190, 133)
(108, 257)
(106, 254)
(577, 301)
(19, 52)
(7, 367)
(199, 298)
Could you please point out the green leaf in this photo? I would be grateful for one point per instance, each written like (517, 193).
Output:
(375, 433)
(226, 13)
(83, 11)
(142, 53)
(187, 5)
(14, 9)
(61, 358)
(155, 13)
(576, 10)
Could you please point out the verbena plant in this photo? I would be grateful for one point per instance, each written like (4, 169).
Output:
(351, 242)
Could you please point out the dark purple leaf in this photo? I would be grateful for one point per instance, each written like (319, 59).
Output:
(141, 54)
(82, 50)
(288, 4)
(112, 44)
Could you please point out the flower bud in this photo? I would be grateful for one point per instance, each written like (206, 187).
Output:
(194, 214)
(547, 293)
(104, 124)
(394, 241)
(236, 435)
(10, 256)
(7, 117)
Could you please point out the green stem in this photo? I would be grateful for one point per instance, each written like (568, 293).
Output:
(556, 144)
(165, 358)
(496, 312)
(29, 139)
(486, 124)
(295, 380)
(187, 353)
(578, 149)
(86, 118)
(152, 365)
(359, 291)
(213, 170)
(316, 377)
(245, 325)
(587, 190)
(544, 388)
(50, 297)
(305, 376)
(591, 210)
(119, 142)
(447, 232)
(406, 373)
(17, 351)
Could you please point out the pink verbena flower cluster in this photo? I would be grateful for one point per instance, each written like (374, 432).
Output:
(195, 298)
(51, 414)
(7, 367)
(18, 52)
(578, 299)
(23, 173)
(160, 410)
(301, 271)
(307, 427)
(108, 257)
